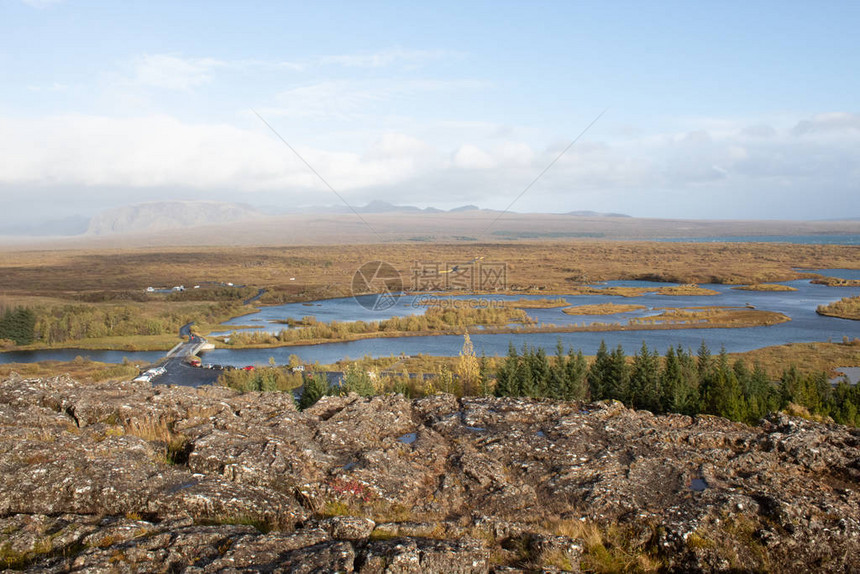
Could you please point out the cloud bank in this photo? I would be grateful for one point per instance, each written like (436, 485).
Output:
(814, 158)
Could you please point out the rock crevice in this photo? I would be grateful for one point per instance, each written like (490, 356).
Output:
(127, 477)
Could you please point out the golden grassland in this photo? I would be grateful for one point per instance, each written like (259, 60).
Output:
(603, 309)
(765, 287)
(685, 290)
(121, 325)
(538, 303)
(477, 301)
(807, 357)
(107, 277)
(712, 317)
(129, 343)
(836, 282)
(80, 369)
(671, 290)
(845, 308)
(327, 271)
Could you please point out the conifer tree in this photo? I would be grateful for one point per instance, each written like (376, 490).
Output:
(618, 377)
(558, 372)
(789, 386)
(645, 380)
(484, 383)
(526, 383)
(540, 372)
(506, 376)
(598, 374)
(678, 395)
(704, 361)
(575, 382)
(315, 388)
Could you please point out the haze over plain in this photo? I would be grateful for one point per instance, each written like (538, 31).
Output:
(728, 111)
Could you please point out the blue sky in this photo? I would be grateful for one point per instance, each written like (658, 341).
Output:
(715, 109)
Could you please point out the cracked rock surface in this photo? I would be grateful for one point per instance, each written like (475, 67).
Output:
(126, 477)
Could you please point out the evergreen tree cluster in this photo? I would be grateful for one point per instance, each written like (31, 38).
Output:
(316, 387)
(677, 382)
(532, 374)
(18, 324)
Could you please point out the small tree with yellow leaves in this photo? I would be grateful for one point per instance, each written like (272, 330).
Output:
(468, 367)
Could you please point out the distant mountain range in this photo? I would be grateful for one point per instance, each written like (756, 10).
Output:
(176, 223)
(386, 207)
(377, 206)
(163, 215)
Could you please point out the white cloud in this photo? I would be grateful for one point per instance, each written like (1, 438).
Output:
(659, 172)
(159, 151)
(472, 157)
(834, 122)
(174, 73)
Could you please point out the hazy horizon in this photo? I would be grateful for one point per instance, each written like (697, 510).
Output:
(714, 111)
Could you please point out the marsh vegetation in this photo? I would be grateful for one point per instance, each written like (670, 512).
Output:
(845, 308)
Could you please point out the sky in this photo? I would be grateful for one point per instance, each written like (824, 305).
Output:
(711, 110)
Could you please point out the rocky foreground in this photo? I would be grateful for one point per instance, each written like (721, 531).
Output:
(130, 478)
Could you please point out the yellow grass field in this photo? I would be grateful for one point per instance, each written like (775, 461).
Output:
(603, 309)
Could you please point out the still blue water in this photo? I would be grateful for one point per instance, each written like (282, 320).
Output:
(806, 325)
(840, 273)
(139, 357)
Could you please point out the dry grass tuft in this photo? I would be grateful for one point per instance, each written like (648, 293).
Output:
(172, 445)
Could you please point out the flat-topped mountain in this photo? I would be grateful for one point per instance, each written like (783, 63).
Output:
(162, 215)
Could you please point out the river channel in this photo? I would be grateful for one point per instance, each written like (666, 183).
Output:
(805, 325)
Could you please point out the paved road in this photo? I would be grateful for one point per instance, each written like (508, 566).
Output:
(178, 371)
(260, 293)
(181, 373)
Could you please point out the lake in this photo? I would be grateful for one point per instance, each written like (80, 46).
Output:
(138, 357)
(806, 325)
